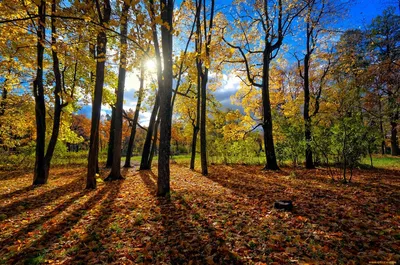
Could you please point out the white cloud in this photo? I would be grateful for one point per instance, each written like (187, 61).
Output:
(232, 82)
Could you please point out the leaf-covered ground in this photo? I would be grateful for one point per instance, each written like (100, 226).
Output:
(225, 218)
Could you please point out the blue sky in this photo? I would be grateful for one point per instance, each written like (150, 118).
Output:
(360, 14)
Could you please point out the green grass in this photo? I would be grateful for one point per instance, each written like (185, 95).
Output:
(385, 161)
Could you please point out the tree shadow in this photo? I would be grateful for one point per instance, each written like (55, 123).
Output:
(53, 235)
(188, 236)
(7, 175)
(99, 232)
(15, 193)
(248, 181)
(19, 235)
(191, 237)
(40, 200)
(149, 179)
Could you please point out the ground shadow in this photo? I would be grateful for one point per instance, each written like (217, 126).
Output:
(33, 202)
(188, 235)
(40, 246)
(99, 232)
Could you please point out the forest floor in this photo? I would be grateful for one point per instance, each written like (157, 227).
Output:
(224, 218)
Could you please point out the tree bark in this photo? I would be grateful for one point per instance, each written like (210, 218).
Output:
(163, 182)
(144, 163)
(40, 108)
(135, 118)
(306, 114)
(111, 139)
(267, 124)
(116, 165)
(155, 140)
(203, 117)
(98, 94)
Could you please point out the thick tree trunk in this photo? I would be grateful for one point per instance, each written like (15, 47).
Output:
(135, 118)
(111, 139)
(144, 163)
(163, 182)
(267, 124)
(40, 108)
(116, 165)
(203, 131)
(98, 94)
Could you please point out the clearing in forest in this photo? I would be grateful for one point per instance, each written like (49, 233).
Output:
(224, 218)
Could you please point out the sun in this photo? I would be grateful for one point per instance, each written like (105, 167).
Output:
(151, 65)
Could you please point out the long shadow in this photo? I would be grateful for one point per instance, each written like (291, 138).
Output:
(12, 175)
(40, 200)
(36, 224)
(148, 178)
(97, 230)
(189, 236)
(242, 182)
(52, 236)
(19, 192)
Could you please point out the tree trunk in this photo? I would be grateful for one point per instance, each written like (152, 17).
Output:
(111, 139)
(267, 124)
(306, 114)
(393, 139)
(135, 118)
(40, 108)
(203, 117)
(116, 165)
(98, 94)
(155, 140)
(194, 143)
(144, 163)
(57, 98)
(163, 182)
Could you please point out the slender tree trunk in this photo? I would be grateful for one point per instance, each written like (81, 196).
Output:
(393, 139)
(306, 114)
(3, 98)
(163, 182)
(155, 140)
(135, 118)
(116, 165)
(40, 108)
(267, 125)
(98, 94)
(194, 143)
(111, 139)
(383, 144)
(144, 163)
(57, 98)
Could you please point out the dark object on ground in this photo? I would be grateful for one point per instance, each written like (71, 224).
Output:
(284, 205)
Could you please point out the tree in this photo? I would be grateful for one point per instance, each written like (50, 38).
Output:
(163, 183)
(268, 22)
(104, 17)
(116, 165)
(204, 33)
(135, 119)
(38, 92)
(384, 35)
(315, 14)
